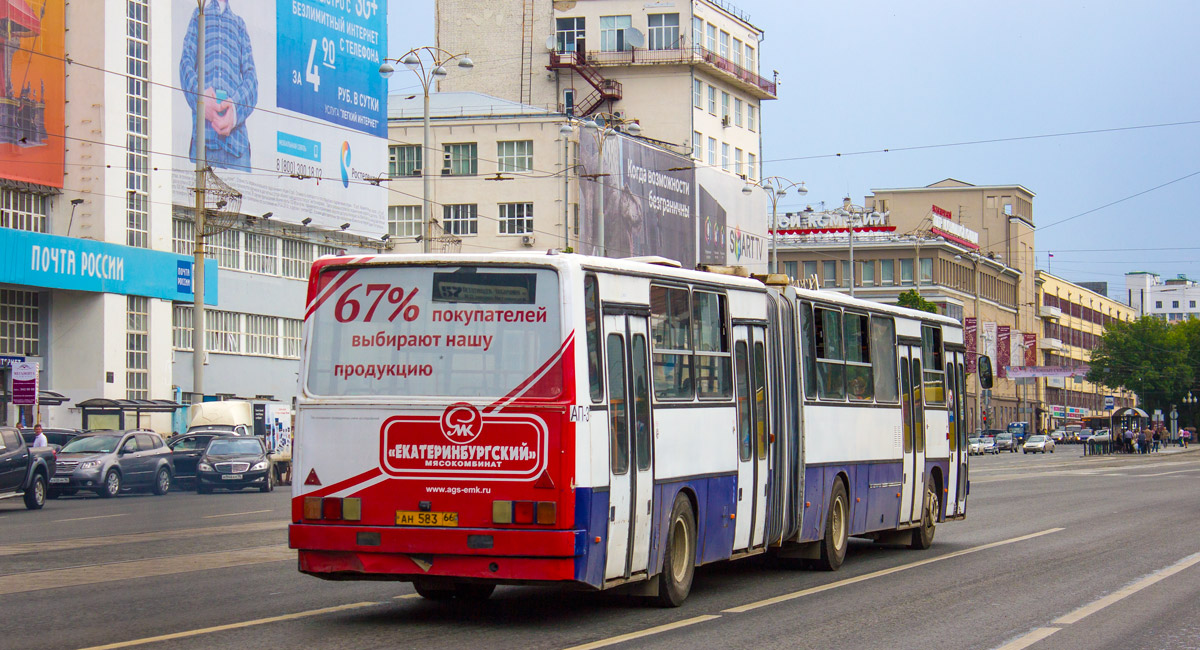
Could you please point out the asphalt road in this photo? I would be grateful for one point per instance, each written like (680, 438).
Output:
(1058, 551)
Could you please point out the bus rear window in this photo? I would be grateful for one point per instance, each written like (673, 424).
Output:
(433, 331)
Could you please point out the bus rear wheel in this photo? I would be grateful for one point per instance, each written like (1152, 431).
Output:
(679, 559)
(922, 536)
(837, 523)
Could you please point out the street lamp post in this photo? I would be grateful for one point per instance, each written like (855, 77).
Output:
(435, 70)
(854, 214)
(776, 188)
(978, 333)
(600, 127)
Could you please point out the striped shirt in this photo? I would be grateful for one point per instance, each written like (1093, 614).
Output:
(228, 68)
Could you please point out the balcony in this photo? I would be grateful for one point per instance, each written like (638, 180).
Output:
(1055, 345)
(746, 80)
(1051, 313)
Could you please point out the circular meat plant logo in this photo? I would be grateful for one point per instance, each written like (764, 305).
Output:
(461, 423)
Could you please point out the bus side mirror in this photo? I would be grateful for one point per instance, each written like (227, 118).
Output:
(985, 372)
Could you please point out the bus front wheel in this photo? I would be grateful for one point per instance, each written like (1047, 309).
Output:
(679, 560)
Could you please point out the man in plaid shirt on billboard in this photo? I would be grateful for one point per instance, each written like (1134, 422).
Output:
(230, 85)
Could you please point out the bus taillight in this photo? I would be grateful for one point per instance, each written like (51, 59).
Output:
(332, 509)
(524, 512)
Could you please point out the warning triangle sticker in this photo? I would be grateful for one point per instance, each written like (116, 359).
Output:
(312, 478)
(544, 481)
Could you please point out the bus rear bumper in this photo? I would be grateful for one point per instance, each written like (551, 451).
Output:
(385, 553)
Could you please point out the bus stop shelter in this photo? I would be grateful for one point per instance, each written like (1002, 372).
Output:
(104, 413)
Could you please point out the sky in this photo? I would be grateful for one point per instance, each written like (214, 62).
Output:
(988, 79)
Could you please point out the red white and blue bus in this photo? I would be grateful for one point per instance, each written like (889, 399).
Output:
(472, 420)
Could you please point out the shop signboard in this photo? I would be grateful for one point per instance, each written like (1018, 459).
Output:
(295, 108)
(36, 259)
(25, 383)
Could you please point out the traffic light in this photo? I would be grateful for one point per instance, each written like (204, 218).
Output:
(985, 420)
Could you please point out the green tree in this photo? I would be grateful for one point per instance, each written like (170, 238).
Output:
(913, 300)
(1147, 356)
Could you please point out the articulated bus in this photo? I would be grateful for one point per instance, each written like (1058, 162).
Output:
(472, 420)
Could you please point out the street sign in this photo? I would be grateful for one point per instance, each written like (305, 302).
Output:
(1110, 402)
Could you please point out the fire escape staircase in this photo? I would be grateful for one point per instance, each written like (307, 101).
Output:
(604, 90)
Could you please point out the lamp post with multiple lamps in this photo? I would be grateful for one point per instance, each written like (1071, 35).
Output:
(599, 127)
(776, 188)
(978, 334)
(854, 214)
(429, 65)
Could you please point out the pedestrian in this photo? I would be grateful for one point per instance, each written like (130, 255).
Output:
(39, 438)
(1156, 441)
(1127, 441)
(1141, 442)
(1185, 437)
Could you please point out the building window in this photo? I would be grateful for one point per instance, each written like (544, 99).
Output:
(738, 165)
(829, 273)
(711, 40)
(137, 347)
(712, 151)
(224, 248)
(23, 210)
(460, 159)
(887, 273)
(261, 255)
(810, 270)
(697, 93)
(724, 106)
(1174, 304)
(297, 257)
(751, 166)
(1158, 304)
(516, 218)
(1191, 304)
(697, 147)
(845, 274)
(664, 31)
(750, 60)
(712, 100)
(183, 237)
(697, 31)
(926, 270)
(19, 323)
(461, 219)
(866, 274)
(568, 33)
(724, 46)
(262, 335)
(137, 123)
(751, 117)
(404, 220)
(725, 156)
(181, 326)
(737, 52)
(906, 272)
(323, 250)
(223, 331)
(404, 160)
(612, 33)
(569, 101)
(737, 111)
(515, 155)
(292, 329)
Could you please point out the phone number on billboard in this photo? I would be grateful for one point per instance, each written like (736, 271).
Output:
(291, 167)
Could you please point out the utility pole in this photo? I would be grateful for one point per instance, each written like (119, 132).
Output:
(198, 343)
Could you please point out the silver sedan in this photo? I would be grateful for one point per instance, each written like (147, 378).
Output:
(1038, 443)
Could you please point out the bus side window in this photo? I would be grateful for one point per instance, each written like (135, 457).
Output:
(741, 362)
(883, 358)
(931, 355)
(831, 367)
(710, 334)
(618, 406)
(671, 336)
(807, 349)
(760, 398)
(859, 385)
(591, 317)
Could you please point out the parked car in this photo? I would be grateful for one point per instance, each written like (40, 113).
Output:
(23, 469)
(54, 437)
(1038, 443)
(234, 463)
(974, 447)
(186, 451)
(107, 462)
(989, 444)
(1005, 441)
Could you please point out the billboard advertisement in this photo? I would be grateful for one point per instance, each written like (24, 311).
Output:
(31, 108)
(295, 110)
(1003, 349)
(742, 225)
(645, 194)
(971, 337)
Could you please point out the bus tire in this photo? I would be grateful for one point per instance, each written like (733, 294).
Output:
(837, 522)
(679, 557)
(922, 536)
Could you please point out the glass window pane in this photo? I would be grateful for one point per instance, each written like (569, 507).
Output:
(641, 403)
(760, 399)
(808, 349)
(617, 405)
(883, 358)
(741, 361)
(591, 317)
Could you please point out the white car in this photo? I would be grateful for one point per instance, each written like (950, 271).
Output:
(974, 447)
(1038, 443)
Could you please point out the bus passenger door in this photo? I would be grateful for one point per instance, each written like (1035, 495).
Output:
(956, 482)
(913, 412)
(630, 446)
(753, 429)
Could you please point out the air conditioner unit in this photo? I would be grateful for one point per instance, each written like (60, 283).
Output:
(528, 240)
(620, 115)
(724, 120)
(416, 172)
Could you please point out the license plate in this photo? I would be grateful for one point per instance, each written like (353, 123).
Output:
(60, 479)
(231, 477)
(410, 518)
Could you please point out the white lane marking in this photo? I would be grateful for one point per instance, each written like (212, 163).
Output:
(1125, 592)
(644, 633)
(59, 521)
(233, 626)
(883, 572)
(16, 583)
(1029, 639)
(1178, 471)
(237, 514)
(133, 538)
